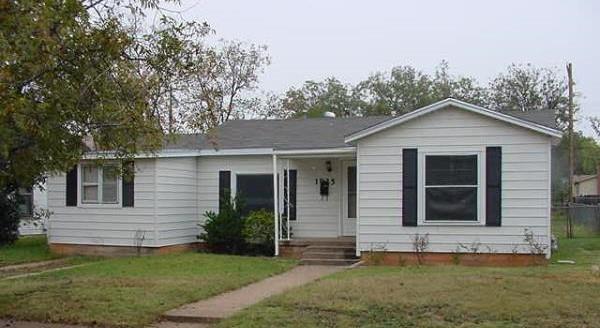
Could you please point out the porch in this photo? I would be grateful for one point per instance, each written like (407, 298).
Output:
(314, 202)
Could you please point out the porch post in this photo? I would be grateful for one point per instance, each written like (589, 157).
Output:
(287, 216)
(276, 204)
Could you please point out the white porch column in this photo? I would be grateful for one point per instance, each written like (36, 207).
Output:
(276, 204)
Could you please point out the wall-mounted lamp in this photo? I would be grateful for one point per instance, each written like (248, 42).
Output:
(328, 166)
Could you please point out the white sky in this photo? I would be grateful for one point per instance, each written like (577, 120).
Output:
(312, 40)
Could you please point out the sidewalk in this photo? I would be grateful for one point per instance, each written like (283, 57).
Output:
(225, 305)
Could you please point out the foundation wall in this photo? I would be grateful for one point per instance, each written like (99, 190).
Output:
(411, 258)
(117, 251)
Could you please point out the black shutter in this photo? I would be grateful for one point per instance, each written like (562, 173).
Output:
(128, 183)
(72, 187)
(493, 188)
(224, 188)
(409, 187)
(292, 191)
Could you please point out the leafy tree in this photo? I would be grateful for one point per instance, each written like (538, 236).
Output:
(526, 87)
(72, 70)
(313, 99)
(398, 92)
(9, 218)
(222, 76)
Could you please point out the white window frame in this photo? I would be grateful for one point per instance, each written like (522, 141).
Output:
(422, 219)
(98, 202)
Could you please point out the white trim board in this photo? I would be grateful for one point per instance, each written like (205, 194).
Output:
(459, 104)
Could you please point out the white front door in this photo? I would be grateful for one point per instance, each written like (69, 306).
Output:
(349, 198)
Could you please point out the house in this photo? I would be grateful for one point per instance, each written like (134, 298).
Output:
(585, 185)
(458, 177)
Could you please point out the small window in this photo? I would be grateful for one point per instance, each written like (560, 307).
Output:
(25, 201)
(451, 187)
(99, 184)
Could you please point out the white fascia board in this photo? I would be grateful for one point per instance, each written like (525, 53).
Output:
(234, 152)
(187, 153)
(323, 151)
(457, 103)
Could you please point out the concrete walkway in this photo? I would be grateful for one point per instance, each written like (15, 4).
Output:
(225, 305)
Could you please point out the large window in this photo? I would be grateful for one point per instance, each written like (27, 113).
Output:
(256, 190)
(99, 184)
(451, 187)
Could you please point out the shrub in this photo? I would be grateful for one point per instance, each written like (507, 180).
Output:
(223, 230)
(258, 232)
(9, 218)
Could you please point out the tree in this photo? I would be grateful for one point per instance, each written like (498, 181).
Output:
(221, 78)
(313, 99)
(72, 70)
(526, 87)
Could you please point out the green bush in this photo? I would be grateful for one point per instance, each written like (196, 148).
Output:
(258, 232)
(9, 218)
(223, 230)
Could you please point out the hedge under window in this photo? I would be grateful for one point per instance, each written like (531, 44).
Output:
(451, 187)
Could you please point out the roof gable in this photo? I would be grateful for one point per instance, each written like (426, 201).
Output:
(512, 119)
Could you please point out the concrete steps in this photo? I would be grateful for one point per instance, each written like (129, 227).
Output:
(330, 253)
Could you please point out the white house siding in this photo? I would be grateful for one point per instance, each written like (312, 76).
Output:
(176, 201)
(525, 182)
(105, 224)
(315, 217)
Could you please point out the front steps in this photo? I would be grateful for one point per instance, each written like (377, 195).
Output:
(330, 252)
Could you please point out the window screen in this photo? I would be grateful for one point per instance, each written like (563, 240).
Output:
(25, 201)
(451, 185)
(256, 190)
(352, 192)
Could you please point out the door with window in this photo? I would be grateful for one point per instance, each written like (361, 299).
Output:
(349, 196)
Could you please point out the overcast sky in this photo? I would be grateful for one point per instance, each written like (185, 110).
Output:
(312, 40)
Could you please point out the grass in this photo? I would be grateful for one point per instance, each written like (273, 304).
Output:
(129, 291)
(444, 296)
(26, 249)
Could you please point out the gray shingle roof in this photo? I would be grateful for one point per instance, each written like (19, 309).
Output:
(545, 117)
(311, 133)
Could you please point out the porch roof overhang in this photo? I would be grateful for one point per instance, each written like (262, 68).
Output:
(315, 153)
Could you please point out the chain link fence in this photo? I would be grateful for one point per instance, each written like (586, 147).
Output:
(585, 220)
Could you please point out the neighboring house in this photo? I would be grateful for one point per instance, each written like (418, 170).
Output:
(461, 174)
(32, 200)
(585, 185)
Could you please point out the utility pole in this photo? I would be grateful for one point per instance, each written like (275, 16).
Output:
(571, 153)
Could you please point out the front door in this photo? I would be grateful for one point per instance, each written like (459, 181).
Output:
(349, 196)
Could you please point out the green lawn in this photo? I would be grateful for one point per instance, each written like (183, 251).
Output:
(129, 291)
(444, 296)
(26, 249)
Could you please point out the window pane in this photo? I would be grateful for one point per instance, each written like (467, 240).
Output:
(451, 203)
(352, 192)
(90, 173)
(451, 170)
(109, 184)
(256, 190)
(90, 193)
(25, 201)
